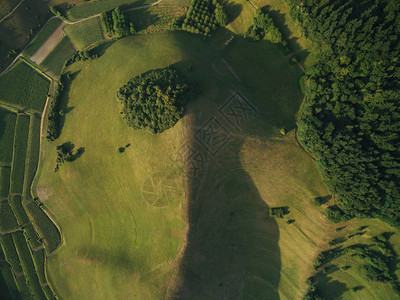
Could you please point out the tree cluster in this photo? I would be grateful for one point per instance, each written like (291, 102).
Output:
(262, 25)
(87, 54)
(202, 17)
(116, 23)
(155, 100)
(278, 212)
(350, 121)
(54, 116)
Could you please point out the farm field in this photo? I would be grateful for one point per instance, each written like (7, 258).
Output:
(46, 31)
(24, 88)
(54, 62)
(85, 33)
(7, 128)
(124, 199)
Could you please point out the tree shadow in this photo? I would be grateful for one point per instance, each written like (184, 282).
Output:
(233, 10)
(63, 107)
(279, 20)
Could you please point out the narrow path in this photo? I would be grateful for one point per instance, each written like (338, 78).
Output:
(10, 231)
(10, 13)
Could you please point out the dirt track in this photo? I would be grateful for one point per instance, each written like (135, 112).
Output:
(49, 45)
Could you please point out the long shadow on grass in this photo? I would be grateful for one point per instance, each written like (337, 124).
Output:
(64, 109)
(232, 249)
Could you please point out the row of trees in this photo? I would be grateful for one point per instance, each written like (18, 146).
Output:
(202, 17)
(116, 23)
(350, 121)
(54, 114)
(155, 100)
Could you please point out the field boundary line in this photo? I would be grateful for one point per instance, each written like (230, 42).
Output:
(12, 11)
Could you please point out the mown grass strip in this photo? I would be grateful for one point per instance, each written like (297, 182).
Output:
(42, 36)
(7, 219)
(5, 174)
(54, 62)
(24, 87)
(85, 33)
(19, 156)
(31, 236)
(19, 212)
(32, 157)
(10, 253)
(44, 226)
(7, 131)
(25, 257)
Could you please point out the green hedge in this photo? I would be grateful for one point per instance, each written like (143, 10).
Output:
(10, 253)
(41, 37)
(19, 211)
(7, 218)
(45, 226)
(7, 130)
(25, 257)
(31, 236)
(19, 156)
(33, 156)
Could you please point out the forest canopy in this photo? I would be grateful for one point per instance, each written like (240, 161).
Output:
(351, 118)
(155, 100)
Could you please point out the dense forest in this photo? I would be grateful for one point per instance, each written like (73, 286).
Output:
(350, 120)
(155, 100)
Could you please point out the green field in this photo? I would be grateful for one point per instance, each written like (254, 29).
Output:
(41, 37)
(123, 234)
(24, 87)
(97, 7)
(85, 33)
(19, 211)
(54, 62)
(5, 173)
(7, 219)
(19, 154)
(7, 129)
(10, 253)
(8, 288)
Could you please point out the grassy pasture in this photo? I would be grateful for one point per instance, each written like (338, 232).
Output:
(28, 267)
(19, 154)
(41, 37)
(97, 7)
(54, 62)
(24, 87)
(19, 211)
(121, 236)
(7, 218)
(5, 173)
(7, 130)
(85, 33)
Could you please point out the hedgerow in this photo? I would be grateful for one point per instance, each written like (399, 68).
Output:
(155, 100)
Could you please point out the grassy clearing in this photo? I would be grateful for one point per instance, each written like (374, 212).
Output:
(7, 218)
(44, 226)
(7, 130)
(5, 173)
(24, 87)
(33, 156)
(19, 153)
(25, 257)
(10, 253)
(121, 236)
(41, 37)
(85, 33)
(19, 211)
(97, 7)
(54, 62)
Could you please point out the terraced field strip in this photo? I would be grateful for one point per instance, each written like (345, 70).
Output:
(11, 289)
(8, 223)
(19, 153)
(7, 124)
(48, 46)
